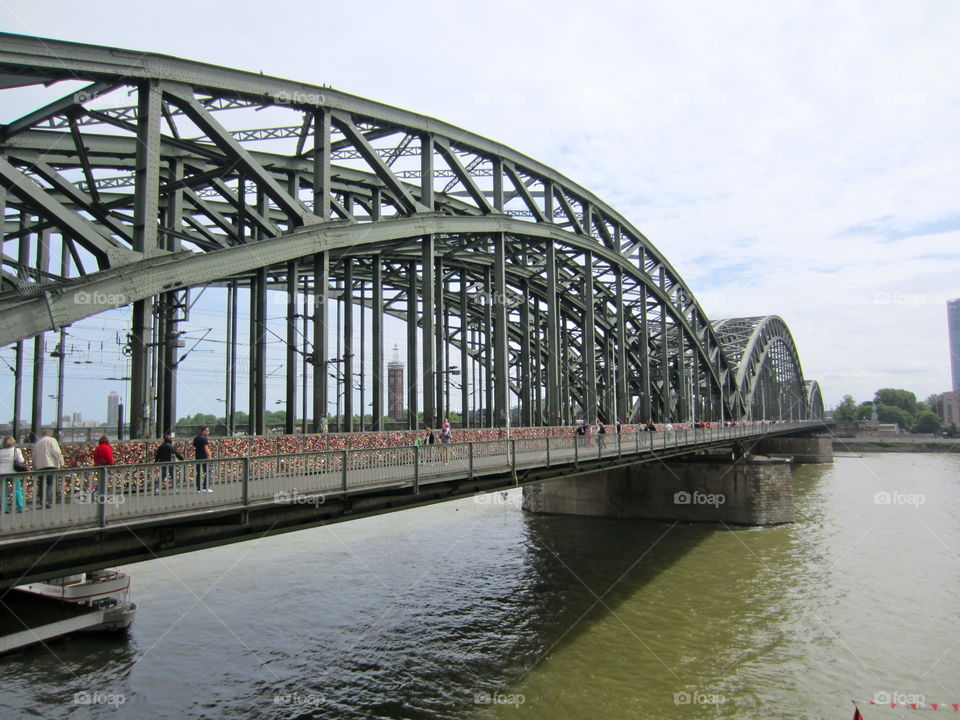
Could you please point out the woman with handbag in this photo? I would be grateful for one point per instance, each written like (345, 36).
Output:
(11, 461)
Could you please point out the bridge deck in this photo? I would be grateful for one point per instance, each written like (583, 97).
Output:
(313, 487)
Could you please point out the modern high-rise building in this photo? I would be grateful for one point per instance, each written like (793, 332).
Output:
(395, 386)
(113, 408)
(953, 330)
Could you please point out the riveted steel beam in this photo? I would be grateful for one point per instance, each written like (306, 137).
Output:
(107, 252)
(183, 98)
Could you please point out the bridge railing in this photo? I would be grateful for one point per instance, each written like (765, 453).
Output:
(77, 497)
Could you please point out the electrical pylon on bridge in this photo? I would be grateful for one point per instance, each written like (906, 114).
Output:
(156, 177)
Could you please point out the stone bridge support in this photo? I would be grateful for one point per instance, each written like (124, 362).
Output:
(803, 450)
(749, 491)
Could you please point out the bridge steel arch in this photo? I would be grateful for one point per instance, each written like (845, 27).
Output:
(769, 377)
(557, 306)
(814, 400)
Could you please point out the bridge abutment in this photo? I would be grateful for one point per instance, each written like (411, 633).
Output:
(750, 491)
(803, 450)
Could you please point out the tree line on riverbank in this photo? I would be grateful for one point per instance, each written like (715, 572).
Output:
(896, 405)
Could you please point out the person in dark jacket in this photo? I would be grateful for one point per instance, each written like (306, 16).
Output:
(201, 450)
(165, 453)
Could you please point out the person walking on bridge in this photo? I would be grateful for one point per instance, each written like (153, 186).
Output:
(601, 434)
(47, 456)
(103, 456)
(446, 437)
(165, 453)
(11, 461)
(430, 439)
(201, 450)
(103, 453)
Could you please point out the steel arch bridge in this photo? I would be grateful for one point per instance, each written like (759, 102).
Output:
(768, 378)
(156, 176)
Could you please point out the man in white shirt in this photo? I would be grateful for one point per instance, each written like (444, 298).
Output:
(47, 456)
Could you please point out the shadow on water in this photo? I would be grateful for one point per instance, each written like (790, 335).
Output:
(576, 571)
(599, 564)
(720, 609)
(480, 621)
(565, 574)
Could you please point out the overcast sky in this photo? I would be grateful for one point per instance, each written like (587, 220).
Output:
(794, 159)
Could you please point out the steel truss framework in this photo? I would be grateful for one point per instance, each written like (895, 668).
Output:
(151, 180)
(769, 379)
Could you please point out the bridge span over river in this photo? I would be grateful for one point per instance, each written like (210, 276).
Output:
(143, 182)
(107, 516)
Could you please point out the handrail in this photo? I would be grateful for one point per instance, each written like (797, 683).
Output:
(96, 496)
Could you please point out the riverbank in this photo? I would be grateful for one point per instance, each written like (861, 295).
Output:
(897, 444)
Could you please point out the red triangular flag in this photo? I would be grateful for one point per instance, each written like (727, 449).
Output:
(856, 714)
(913, 706)
(956, 707)
(935, 706)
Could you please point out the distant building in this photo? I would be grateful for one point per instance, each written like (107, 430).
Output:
(113, 408)
(953, 332)
(948, 408)
(395, 386)
(77, 418)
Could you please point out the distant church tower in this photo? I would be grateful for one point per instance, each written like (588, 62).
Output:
(395, 386)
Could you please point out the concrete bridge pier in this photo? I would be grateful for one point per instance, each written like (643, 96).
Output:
(803, 450)
(748, 491)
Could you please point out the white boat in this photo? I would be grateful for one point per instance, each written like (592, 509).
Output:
(102, 587)
(96, 601)
(106, 590)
